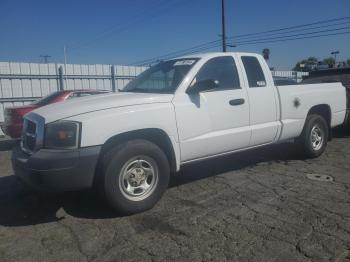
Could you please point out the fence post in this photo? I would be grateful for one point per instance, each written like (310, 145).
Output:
(113, 78)
(60, 78)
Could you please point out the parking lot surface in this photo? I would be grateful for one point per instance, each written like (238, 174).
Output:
(262, 205)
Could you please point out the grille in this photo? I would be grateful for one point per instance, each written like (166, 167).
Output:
(29, 136)
(33, 133)
(31, 127)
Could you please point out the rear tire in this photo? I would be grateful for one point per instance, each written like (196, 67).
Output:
(135, 175)
(313, 140)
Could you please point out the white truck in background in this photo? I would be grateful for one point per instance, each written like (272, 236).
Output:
(179, 111)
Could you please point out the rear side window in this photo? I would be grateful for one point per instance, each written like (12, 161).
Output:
(254, 72)
(222, 69)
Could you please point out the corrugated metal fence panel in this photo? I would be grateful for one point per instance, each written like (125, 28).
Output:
(20, 82)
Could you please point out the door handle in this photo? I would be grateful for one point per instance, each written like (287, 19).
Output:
(237, 102)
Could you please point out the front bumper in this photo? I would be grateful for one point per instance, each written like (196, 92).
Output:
(57, 170)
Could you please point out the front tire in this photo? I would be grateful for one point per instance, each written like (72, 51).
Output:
(135, 176)
(314, 137)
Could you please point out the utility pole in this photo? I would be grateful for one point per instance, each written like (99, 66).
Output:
(46, 60)
(223, 33)
(65, 63)
(65, 57)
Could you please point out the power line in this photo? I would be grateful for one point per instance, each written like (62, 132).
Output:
(113, 27)
(202, 49)
(214, 45)
(293, 31)
(267, 41)
(160, 9)
(199, 49)
(296, 38)
(157, 9)
(278, 31)
(175, 53)
(295, 35)
(293, 27)
(208, 44)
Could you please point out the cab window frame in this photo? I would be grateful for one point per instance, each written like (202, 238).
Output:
(235, 74)
(258, 73)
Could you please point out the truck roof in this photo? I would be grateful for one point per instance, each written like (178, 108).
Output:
(214, 54)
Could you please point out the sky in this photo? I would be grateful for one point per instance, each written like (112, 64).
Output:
(124, 32)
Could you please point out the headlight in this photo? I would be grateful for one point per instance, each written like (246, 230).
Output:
(62, 135)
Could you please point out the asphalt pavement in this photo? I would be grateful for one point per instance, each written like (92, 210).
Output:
(262, 205)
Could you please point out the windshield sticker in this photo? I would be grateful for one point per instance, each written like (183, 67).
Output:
(184, 62)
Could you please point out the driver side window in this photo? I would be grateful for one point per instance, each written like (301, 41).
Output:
(222, 69)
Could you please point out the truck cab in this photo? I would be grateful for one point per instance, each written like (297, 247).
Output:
(225, 119)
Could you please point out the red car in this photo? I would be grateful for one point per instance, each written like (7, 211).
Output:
(14, 115)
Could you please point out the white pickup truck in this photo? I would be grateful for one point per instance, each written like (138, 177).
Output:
(176, 112)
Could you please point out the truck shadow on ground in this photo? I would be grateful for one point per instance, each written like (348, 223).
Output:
(6, 145)
(20, 206)
(341, 132)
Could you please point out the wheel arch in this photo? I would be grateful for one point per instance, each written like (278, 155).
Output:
(325, 111)
(154, 135)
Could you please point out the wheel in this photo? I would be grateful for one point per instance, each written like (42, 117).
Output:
(314, 137)
(134, 177)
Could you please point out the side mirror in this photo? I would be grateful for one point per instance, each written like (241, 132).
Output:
(203, 85)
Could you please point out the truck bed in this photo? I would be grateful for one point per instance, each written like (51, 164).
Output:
(332, 75)
(297, 100)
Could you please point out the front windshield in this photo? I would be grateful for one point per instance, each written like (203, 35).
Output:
(164, 77)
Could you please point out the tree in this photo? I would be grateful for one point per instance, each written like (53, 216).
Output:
(306, 64)
(348, 62)
(266, 53)
(330, 61)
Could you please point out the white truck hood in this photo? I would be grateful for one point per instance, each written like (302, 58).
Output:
(83, 105)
